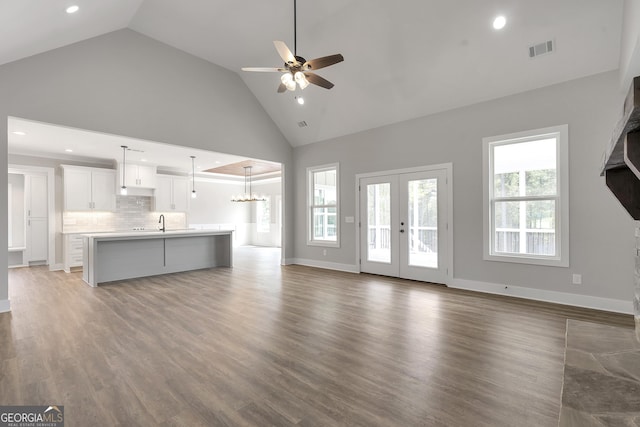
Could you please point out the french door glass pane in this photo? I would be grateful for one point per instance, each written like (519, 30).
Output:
(423, 223)
(379, 222)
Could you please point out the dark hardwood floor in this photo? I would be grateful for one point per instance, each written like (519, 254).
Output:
(261, 344)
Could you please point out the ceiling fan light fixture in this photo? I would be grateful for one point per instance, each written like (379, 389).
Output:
(301, 80)
(288, 81)
(296, 66)
(286, 78)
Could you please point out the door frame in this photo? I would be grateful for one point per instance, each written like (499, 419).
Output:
(448, 168)
(51, 231)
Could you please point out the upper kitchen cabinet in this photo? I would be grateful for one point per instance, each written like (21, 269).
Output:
(172, 194)
(137, 176)
(89, 189)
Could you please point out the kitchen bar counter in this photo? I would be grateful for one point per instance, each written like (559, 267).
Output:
(124, 255)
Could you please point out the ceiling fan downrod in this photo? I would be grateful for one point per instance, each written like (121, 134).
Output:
(295, 28)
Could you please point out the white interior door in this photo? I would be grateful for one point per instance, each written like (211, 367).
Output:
(403, 225)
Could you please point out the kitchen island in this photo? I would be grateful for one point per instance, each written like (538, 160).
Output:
(124, 255)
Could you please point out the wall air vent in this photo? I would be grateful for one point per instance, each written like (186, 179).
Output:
(542, 48)
(302, 124)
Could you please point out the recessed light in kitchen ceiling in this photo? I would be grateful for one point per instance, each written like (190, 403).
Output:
(19, 132)
(69, 150)
(73, 9)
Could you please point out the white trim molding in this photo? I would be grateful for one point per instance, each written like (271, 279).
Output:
(311, 205)
(56, 267)
(348, 268)
(448, 168)
(576, 300)
(561, 198)
(5, 306)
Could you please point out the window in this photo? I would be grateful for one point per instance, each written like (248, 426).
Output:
(263, 216)
(322, 196)
(526, 209)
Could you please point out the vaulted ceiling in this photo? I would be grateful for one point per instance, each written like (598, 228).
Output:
(403, 59)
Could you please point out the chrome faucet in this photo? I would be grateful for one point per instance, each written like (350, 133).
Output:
(161, 220)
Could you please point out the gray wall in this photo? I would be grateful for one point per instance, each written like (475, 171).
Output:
(127, 84)
(630, 43)
(601, 232)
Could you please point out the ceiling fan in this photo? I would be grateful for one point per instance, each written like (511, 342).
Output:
(296, 69)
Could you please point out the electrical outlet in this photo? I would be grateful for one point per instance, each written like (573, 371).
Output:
(324, 252)
(577, 279)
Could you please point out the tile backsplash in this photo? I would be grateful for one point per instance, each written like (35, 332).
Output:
(132, 212)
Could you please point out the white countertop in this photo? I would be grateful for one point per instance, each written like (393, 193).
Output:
(154, 234)
(87, 232)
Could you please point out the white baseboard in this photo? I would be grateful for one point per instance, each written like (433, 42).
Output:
(576, 300)
(349, 268)
(56, 267)
(5, 307)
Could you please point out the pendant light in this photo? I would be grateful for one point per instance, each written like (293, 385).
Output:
(123, 189)
(248, 196)
(193, 175)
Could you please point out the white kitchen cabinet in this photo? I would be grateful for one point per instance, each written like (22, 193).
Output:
(89, 189)
(36, 204)
(172, 194)
(36, 196)
(137, 176)
(37, 241)
(72, 251)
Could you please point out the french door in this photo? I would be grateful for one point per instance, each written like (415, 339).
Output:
(404, 225)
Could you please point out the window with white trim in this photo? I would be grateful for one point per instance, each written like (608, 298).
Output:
(263, 216)
(526, 197)
(322, 205)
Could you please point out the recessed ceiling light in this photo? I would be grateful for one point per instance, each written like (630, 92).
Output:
(300, 100)
(19, 132)
(217, 162)
(73, 9)
(499, 22)
(69, 150)
(143, 160)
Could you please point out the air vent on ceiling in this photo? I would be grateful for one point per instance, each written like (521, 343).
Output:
(302, 124)
(541, 48)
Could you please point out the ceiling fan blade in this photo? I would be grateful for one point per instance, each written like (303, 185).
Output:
(284, 52)
(282, 88)
(264, 69)
(317, 80)
(325, 61)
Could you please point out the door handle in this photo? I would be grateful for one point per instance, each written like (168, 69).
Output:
(402, 230)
